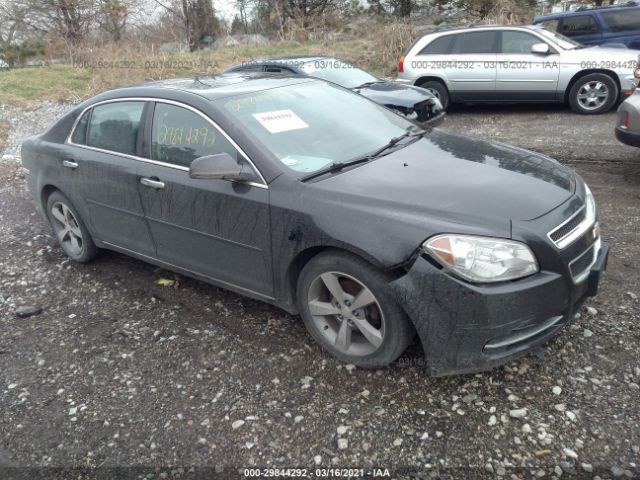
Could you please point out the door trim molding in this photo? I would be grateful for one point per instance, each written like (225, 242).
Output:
(190, 273)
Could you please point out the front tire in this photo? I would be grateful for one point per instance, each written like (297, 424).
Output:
(347, 308)
(439, 90)
(593, 94)
(69, 229)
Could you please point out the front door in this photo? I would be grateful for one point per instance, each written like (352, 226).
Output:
(522, 75)
(215, 228)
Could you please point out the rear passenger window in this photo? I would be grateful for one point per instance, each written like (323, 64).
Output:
(114, 126)
(622, 21)
(79, 135)
(440, 46)
(179, 136)
(580, 25)
(474, 42)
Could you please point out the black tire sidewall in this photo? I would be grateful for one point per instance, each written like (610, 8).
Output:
(440, 88)
(601, 77)
(89, 250)
(398, 331)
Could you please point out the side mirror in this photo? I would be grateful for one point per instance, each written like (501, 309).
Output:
(540, 48)
(219, 166)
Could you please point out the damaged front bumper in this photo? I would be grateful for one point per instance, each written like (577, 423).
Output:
(466, 328)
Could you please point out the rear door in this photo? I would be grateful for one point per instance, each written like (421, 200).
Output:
(471, 65)
(215, 228)
(106, 144)
(522, 75)
(581, 28)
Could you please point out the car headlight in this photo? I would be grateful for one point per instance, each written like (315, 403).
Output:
(482, 259)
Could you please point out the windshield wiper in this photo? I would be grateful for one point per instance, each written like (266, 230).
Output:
(336, 166)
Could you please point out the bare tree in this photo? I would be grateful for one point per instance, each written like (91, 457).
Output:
(112, 17)
(198, 19)
(71, 19)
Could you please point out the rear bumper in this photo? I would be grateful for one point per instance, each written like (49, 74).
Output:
(629, 138)
(467, 328)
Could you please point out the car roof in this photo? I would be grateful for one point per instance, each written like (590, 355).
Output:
(212, 87)
(477, 28)
(583, 11)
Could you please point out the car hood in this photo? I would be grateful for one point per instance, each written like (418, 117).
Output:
(601, 54)
(388, 93)
(459, 179)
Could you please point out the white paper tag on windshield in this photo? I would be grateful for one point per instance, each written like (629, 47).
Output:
(280, 121)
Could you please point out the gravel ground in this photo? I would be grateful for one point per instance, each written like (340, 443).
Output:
(121, 377)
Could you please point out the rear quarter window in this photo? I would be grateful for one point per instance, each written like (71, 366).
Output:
(79, 135)
(578, 25)
(622, 21)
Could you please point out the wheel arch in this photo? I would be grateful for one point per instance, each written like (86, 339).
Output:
(45, 193)
(431, 78)
(582, 73)
(304, 256)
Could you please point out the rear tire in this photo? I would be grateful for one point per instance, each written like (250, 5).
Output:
(439, 90)
(69, 229)
(593, 94)
(347, 307)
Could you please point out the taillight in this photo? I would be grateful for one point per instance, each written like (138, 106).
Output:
(626, 119)
(401, 65)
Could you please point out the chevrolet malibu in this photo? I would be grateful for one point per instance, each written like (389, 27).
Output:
(305, 195)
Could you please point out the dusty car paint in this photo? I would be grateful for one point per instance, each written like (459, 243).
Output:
(261, 233)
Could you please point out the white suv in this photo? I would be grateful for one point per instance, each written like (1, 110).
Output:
(518, 64)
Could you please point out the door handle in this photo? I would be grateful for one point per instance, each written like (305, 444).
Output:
(70, 164)
(152, 182)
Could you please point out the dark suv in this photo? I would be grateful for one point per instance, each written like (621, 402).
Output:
(618, 24)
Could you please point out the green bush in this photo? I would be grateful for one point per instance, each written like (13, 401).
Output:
(16, 54)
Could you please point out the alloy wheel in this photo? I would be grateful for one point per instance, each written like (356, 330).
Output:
(346, 313)
(66, 228)
(592, 95)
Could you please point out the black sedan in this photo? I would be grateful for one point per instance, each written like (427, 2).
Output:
(415, 103)
(300, 193)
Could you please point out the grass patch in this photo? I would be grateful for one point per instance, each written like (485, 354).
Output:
(25, 85)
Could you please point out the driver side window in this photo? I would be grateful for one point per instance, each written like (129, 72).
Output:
(179, 136)
(518, 42)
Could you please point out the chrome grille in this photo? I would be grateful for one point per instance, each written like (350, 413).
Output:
(581, 262)
(569, 226)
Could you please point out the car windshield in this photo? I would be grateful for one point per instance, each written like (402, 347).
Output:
(311, 125)
(563, 42)
(337, 71)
